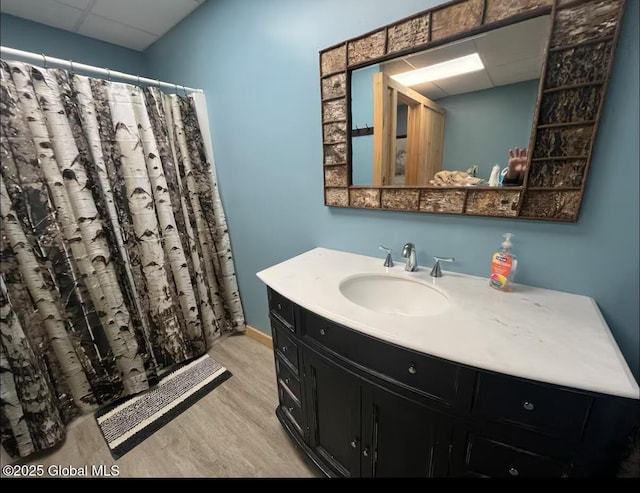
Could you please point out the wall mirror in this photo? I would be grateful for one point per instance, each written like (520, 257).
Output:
(416, 114)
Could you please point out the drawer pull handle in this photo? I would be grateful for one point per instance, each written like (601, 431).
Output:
(323, 332)
(412, 369)
(284, 349)
(528, 406)
(287, 380)
(354, 443)
(365, 452)
(513, 472)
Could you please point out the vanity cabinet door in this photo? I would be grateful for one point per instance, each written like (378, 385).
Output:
(334, 415)
(402, 438)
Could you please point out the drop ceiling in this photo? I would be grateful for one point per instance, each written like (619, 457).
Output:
(510, 54)
(134, 24)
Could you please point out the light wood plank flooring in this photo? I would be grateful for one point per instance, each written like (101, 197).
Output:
(231, 432)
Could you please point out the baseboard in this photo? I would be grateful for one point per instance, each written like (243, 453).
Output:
(259, 336)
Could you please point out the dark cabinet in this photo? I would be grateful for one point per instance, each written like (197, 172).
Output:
(547, 410)
(334, 415)
(481, 453)
(281, 309)
(405, 439)
(429, 376)
(362, 407)
(292, 408)
(361, 429)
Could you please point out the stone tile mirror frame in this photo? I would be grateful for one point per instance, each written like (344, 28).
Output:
(571, 92)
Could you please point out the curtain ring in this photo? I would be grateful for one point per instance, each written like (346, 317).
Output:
(72, 71)
(138, 77)
(44, 60)
(184, 89)
(176, 88)
(108, 74)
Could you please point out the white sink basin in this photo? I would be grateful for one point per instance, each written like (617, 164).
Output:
(393, 295)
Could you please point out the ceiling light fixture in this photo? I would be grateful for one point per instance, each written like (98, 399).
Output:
(443, 70)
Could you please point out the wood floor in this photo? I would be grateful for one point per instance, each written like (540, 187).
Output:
(231, 432)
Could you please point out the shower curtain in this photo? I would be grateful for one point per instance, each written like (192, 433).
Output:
(115, 256)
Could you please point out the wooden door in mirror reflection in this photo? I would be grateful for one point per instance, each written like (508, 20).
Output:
(417, 162)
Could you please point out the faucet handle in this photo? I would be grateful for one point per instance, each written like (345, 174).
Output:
(388, 261)
(436, 271)
(444, 259)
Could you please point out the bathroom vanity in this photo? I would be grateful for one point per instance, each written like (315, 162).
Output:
(383, 372)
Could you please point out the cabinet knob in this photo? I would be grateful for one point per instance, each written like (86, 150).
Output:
(528, 406)
(287, 380)
(323, 332)
(513, 471)
(365, 452)
(290, 409)
(279, 306)
(284, 349)
(412, 370)
(354, 443)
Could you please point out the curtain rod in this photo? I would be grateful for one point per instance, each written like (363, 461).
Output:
(46, 60)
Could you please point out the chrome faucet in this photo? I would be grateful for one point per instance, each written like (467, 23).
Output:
(409, 252)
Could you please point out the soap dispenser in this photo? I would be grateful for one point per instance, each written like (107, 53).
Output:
(494, 179)
(503, 266)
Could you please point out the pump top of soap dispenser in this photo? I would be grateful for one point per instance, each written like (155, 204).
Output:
(506, 244)
(494, 179)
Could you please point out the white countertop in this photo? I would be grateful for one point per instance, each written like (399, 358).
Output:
(539, 334)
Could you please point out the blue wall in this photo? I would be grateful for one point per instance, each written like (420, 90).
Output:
(469, 140)
(264, 103)
(31, 36)
(258, 63)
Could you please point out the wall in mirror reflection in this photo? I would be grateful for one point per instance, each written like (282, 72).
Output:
(480, 128)
(487, 112)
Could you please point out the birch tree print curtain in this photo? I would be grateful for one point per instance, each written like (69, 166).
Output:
(115, 257)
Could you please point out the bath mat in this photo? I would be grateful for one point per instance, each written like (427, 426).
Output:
(126, 424)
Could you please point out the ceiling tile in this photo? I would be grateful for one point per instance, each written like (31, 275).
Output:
(47, 12)
(516, 42)
(79, 4)
(516, 72)
(430, 90)
(396, 67)
(114, 32)
(476, 81)
(153, 16)
(442, 54)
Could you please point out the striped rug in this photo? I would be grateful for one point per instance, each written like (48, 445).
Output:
(126, 424)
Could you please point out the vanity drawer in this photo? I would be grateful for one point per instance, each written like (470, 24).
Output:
(291, 408)
(282, 309)
(500, 460)
(288, 378)
(434, 377)
(543, 409)
(284, 346)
